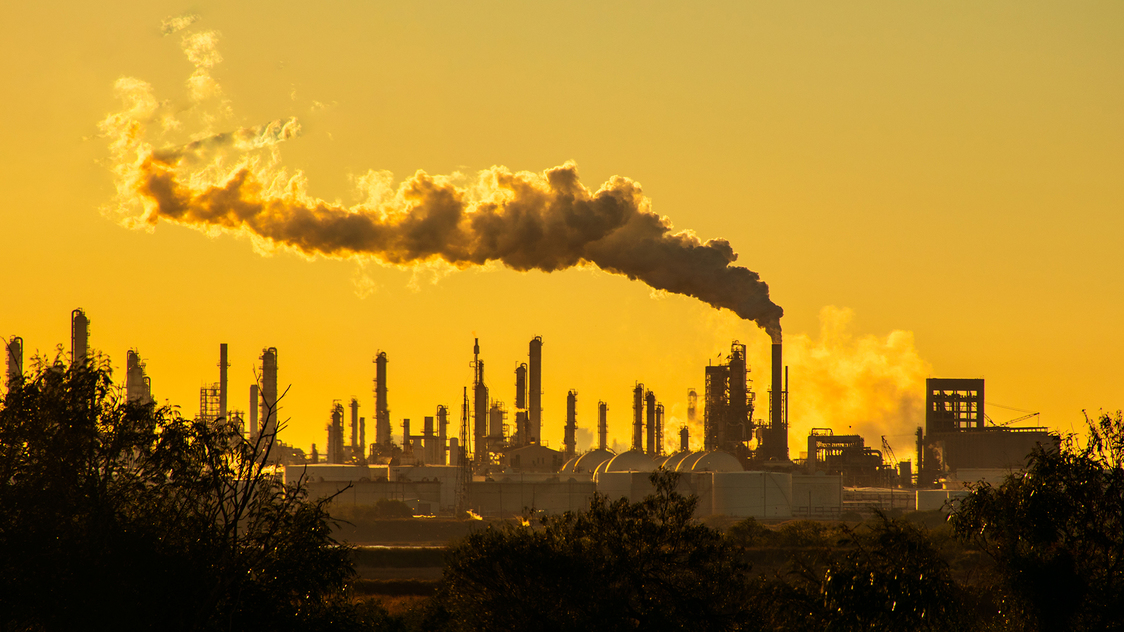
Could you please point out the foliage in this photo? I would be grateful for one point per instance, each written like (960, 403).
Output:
(126, 514)
(1057, 532)
(616, 566)
(889, 578)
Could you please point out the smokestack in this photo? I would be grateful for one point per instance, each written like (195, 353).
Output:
(692, 406)
(382, 412)
(255, 400)
(356, 444)
(534, 391)
(684, 439)
(14, 356)
(650, 401)
(269, 392)
(638, 417)
(602, 425)
(659, 430)
(569, 442)
(776, 439)
(79, 338)
(406, 445)
(223, 364)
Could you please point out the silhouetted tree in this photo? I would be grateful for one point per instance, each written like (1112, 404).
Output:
(123, 515)
(1056, 532)
(616, 566)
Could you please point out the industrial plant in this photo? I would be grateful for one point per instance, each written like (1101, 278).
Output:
(495, 460)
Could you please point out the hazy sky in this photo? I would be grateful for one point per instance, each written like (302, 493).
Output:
(929, 189)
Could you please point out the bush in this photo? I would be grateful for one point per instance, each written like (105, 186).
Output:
(120, 514)
(615, 566)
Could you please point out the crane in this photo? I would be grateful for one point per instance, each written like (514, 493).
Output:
(889, 452)
(1008, 423)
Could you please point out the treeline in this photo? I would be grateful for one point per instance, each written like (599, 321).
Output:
(123, 515)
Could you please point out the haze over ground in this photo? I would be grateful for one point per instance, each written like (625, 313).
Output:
(927, 190)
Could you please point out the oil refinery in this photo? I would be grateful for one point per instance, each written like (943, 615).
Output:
(495, 461)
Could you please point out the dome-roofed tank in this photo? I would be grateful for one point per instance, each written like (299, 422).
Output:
(717, 461)
(689, 460)
(568, 468)
(589, 461)
(673, 461)
(631, 461)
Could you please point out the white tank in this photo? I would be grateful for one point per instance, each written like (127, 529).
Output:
(752, 494)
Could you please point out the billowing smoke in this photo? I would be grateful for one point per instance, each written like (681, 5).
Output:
(527, 221)
(856, 384)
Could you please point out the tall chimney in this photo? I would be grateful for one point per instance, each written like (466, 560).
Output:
(223, 364)
(776, 444)
(534, 391)
(79, 338)
(650, 401)
(638, 417)
(14, 355)
(382, 413)
(684, 439)
(602, 425)
(659, 430)
(569, 441)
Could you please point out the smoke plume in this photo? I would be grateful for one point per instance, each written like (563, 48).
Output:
(866, 385)
(545, 221)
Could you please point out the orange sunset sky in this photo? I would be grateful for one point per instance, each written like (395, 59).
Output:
(930, 189)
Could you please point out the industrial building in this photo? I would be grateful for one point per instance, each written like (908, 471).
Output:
(959, 442)
(499, 465)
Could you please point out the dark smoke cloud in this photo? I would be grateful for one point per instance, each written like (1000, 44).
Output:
(527, 221)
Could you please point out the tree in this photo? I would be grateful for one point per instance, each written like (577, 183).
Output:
(1057, 532)
(126, 515)
(615, 566)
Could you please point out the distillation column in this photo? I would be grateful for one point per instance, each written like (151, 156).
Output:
(382, 412)
(534, 391)
(638, 417)
(569, 442)
(602, 425)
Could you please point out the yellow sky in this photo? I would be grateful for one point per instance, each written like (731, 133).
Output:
(927, 188)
